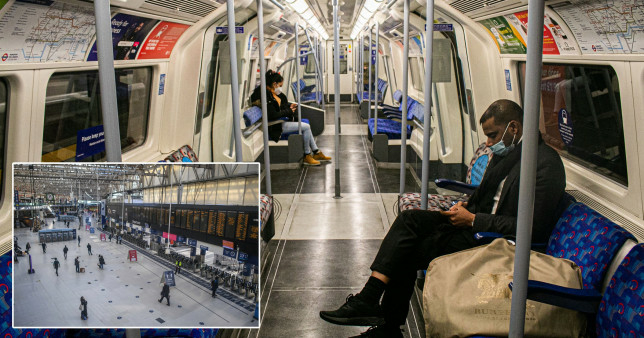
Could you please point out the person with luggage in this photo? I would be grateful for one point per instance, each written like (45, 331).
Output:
(83, 308)
(27, 247)
(418, 236)
(77, 263)
(101, 261)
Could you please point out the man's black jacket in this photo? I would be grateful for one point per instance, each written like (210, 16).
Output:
(549, 188)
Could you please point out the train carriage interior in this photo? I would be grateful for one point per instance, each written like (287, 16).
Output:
(380, 118)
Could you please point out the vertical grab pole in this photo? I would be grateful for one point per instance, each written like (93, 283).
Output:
(403, 138)
(297, 79)
(107, 81)
(528, 173)
(315, 58)
(170, 208)
(369, 68)
(336, 85)
(375, 85)
(361, 64)
(427, 123)
(262, 78)
(234, 81)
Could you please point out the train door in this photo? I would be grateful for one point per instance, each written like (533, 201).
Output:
(346, 70)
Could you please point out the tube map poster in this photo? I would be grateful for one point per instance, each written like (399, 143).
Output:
(45, 31)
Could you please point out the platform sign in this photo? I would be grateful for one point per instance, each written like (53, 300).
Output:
(304, 60)
(168, 278)
(230, 253)
(89, 141)
(193, 251)
(181, 239)
(220, 30)
(242, 257)
(74, 233)
(103, 237)
(508, 80)
(132, 255)
(192, 242)
(91, 230)
(203, 249)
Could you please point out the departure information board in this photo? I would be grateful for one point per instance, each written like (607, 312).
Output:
(253, 229)
(231, 222)
(204, 221)
(242, 226)
(189, 220)
(212, 222)
(221, 221)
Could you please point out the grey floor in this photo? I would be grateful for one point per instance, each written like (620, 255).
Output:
(324, 246)
(123, 294)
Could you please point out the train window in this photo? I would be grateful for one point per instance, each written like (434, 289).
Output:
(416, 75)
(73, 107)
(581, 116)
(4, 99)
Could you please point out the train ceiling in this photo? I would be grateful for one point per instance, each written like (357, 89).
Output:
(90, 180)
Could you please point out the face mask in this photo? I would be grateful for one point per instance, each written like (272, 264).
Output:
(500, 148)
(278, 90)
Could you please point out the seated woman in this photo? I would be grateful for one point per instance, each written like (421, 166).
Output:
(278, 107)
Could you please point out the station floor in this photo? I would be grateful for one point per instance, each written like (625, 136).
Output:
(324, 246)
(123, 294)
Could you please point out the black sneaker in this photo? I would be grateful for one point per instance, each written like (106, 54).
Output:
(355, 312)
(381, 331)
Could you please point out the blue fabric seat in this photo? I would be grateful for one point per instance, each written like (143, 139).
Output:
(589, 239)
(252, 115)
(304, 89)
(393, 128)
(621, 309)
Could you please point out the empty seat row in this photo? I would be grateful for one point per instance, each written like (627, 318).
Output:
(307, 93)
(392, 126)
(382, 86)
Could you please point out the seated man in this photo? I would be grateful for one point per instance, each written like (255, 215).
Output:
(418, 236)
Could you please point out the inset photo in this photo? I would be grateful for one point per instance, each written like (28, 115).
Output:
(122, 245)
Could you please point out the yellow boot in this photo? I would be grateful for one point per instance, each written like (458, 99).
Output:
(321, 157)
(309, 160)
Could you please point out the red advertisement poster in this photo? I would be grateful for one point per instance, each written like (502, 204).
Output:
(161, 41)
(549, 43)
(132, 255)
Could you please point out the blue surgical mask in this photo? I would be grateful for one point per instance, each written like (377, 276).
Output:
(500, 149)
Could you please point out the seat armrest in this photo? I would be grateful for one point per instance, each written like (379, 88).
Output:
(582, 300)
(456, 186)
(387, 107)
(486, 237)
(275, 122)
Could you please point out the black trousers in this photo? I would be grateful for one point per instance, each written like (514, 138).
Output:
(166, 297)
(415, 238)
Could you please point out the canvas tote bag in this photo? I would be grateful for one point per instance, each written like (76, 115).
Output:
(466, 293)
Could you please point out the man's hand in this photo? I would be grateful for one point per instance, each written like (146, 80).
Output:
(459, 216)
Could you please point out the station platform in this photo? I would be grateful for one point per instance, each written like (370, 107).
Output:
(124, 294)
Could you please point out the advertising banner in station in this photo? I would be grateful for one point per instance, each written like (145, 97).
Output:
(132, 256)
(172, 237)
(230, 253)
(161, 41)
(168, 278)
(103, 237)
(128, 34)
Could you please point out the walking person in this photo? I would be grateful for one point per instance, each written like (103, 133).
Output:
(83, 308)
(89, 249)
(79, 241)
(27, 247)
(177, 270)
(110, 236)
(56, 265)
(165, 293)
(77, 263)
(44, 247)
(65, 251)
(214, 284)
(101, 261)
